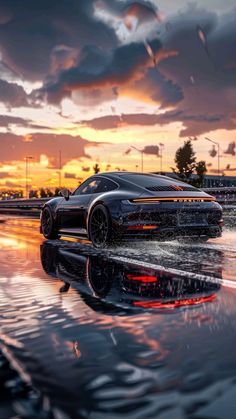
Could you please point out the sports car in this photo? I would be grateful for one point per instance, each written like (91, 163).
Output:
(110, 207)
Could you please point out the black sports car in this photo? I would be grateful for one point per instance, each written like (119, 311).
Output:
(124, 205)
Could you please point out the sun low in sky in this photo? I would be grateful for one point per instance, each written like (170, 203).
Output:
(83, 81)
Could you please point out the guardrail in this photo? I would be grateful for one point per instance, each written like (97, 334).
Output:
(22, 206)
(224, 195)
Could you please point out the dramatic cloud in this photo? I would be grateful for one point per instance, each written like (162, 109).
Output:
(160, 89)
(6, 121)
(94, 96)
(153, 70)
(132, 13)
(199, 81)
(31, 30)
(207, 78)
(144, 119)
(97, 68)
(15, 148)
(151, 150)
(13, 95)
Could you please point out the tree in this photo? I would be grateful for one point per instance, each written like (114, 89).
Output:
(185, 160)
(33, 194)
(96, 168)
(186, 165)
(56, 193)
(201, 170)
(43, 193)
(49, 193)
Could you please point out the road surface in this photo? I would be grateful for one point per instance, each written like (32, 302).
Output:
(142, 331)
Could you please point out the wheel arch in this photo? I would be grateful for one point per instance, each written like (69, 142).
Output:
(92, 206)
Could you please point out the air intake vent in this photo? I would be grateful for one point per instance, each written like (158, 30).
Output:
(167, 188)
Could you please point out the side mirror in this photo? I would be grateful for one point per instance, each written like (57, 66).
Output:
(65, 193)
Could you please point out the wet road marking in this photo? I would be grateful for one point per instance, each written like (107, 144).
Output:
(224, 282)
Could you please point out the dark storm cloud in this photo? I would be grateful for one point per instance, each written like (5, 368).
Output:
(65, 45)
(200, 81)
(207, 78)
(6, 121)
(143, 11)
(13, 95)
(30, 30)
(97, 68)
(145, 119)
(16, 147)
(158, 88)
(151, 150)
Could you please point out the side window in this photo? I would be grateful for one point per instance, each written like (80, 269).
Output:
(107, 185)
(91, 187)
(79, 189)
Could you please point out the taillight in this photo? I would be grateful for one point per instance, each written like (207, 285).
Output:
(170, 199)
(142, 278)
(140, 227)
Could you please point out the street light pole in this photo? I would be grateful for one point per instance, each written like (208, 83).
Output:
(141, 152)
(59, 169)
(161, 154)
(218, 148)
(27, 159)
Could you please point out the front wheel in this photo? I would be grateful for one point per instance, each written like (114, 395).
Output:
(47, 224)
(100, 227)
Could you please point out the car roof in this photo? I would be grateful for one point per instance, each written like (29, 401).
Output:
(123, 174)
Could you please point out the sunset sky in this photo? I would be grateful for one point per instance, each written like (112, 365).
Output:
(90, 78)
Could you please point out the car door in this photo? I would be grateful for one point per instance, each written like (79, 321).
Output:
(72, 212)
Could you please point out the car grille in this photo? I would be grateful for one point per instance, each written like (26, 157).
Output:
(171, 219)
(214, 217)
(159, 188)
(163, 219)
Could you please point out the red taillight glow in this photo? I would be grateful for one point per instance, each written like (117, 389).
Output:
(142, 227)
(142, 278)
(174, 304)
(171, 199)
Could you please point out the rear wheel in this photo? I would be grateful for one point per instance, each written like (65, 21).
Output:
(100, 227)
(47, 224)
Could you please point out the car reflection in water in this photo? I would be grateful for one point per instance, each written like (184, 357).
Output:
(108, 285)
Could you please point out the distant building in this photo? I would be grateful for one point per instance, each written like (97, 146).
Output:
(210, 181)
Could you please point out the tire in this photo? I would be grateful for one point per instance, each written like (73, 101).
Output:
(100, 276)
(48, 259)
(47, 224)
(99, 227)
